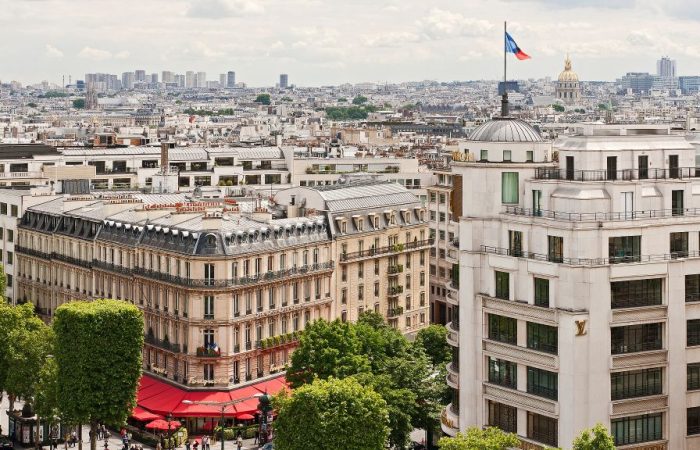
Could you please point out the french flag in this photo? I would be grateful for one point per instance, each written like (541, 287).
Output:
(512, 47)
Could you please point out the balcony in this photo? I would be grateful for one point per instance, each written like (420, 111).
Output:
(453, 368)
(21, 175)
(452, 297)
(452, 380)
(591, 261)
(679, 173)
(233, 282)
(449, 420)
(393, 291)
(71, 260)
(161, 343)
(32, 252)
(452, 335)
(204, 352)
(396, 248)
(520, 355)
(395, 270)
(111, 267)
(520, 399)
(393, 313)
(602, 216)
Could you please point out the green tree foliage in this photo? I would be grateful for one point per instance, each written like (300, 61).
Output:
(477, 439)
(359, 100)
(597, 438)
(29, 347)
(558, 108)
(287, 99)
(91, 388)
(32, 105)
(79, 103)
(349, 113)
(379, 357)
(209, 112)
(263, 99)
(327, 349)
(54, 94)
(342, 100)
(433, 341)
(331, 414)
(12, 320)
(46, 395)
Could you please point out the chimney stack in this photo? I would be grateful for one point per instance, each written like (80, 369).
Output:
(164, 160)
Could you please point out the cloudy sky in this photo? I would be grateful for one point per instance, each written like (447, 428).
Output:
(335, 41)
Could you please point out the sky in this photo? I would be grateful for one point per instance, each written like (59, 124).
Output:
(324, 42)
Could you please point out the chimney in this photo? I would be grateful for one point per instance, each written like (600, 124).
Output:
(164, 161)
(278, 140)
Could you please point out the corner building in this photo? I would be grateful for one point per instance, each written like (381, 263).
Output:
(579, 288)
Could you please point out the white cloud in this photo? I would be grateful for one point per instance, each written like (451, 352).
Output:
(94, 54)
(441, 24)
(53, 52)
(219, 9)
(122, 55)
(391, 39)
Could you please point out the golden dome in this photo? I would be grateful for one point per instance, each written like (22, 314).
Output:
(568, 75)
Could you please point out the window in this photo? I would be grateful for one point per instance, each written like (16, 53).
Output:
(693, 332)
(624, 249)
(484, 155)
(208, 307)
(635, 293)
(209, 274)
(14, 211)
(693, 421)
(10, 235)
(503, 416)
(515, 243)
(509, 187)
(503, 329)
(502, 285)
(693, 373)
(503, 373)
(542, 292)
(542, 383)
(635, 338)
(506, 155)
(529, 156)
(692, 288)
(635, 383)
(542, 337)
(208, 372)
(542, 429)
(636, 429)
(555, 249)
(677, 203)
(679, 245)
(10, 257)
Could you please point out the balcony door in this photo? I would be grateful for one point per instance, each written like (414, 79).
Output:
(627, 200)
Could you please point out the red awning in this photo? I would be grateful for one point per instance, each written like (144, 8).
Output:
(163, 398)
(164, 425)
(142, 415)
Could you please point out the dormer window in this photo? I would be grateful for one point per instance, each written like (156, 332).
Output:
(392, 219)
(360, 224)
(507, 156)
(343, 227)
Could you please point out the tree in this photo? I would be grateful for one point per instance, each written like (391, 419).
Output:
(359, 100)
(597, 438)
(12, 319)
(79, 103)
(490, 438)
(433, 341)
(327, 349)
(93, 389)
(32, 105)
(263, 99)
(331, 414)
(558, 108)
(46, 394)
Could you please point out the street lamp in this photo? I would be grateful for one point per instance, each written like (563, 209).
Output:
(223, 406)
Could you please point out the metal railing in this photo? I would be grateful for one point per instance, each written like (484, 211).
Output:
(232, 282)
(72, 260)
(602, 216)
(160, 343)
(32, 252)
(396, 248)
(549, 173)
(111, 267)
(394, 312)
(591, 261)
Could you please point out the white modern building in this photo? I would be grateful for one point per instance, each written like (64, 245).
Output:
(579, 291)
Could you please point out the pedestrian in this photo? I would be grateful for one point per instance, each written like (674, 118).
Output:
(195, 446)
(106, 443)
(65, 442)
(73, 438)
(257, 437)
(159, 446)
(205, 442)
(239, 441)
(188, 444)
(99, 432)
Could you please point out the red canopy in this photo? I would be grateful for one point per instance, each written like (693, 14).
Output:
(157, 396)
(160, 424)
(142, 415)
(245, 416)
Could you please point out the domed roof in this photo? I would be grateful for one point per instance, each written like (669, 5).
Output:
(505, 129)
(568, 75)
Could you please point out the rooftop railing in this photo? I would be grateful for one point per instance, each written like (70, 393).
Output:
(396, 248)
(602, 216)
(548, 173)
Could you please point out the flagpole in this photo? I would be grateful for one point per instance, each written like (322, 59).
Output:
(505, 46)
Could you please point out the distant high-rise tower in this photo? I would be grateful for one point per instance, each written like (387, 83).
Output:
(168, 76)
(128, 79)
(666, 67)
(140, 75)
(201, 79)
(154, 78)
(284, 81)
(222, 80)
(231, 79)
(190, 79)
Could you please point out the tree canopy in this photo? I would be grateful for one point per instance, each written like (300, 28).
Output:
(263, 99)
(349, 112)
(597, 438)
(490, 438)
(433, 340)
(331, 414)
(558, 108)
(91, 388)
(359, 100)
(379, 357)
(13, 320)
(79, 103)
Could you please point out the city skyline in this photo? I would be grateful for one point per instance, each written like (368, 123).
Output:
(390, 42)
